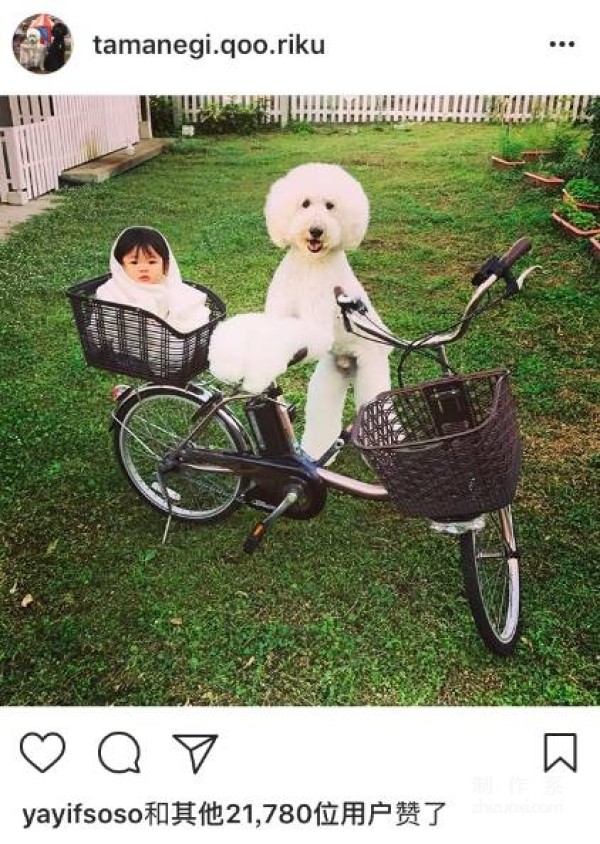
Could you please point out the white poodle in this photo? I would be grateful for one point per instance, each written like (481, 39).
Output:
(316, 212)
(32, 52)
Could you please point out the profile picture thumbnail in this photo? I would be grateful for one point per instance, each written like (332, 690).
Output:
(42, 43)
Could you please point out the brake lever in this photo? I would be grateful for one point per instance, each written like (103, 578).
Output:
(354, 305)
(493, 266)
(515, 285)
(346, 304)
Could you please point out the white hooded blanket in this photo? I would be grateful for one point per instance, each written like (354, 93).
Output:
(181, 306)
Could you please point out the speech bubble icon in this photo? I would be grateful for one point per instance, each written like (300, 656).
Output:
(119, 753)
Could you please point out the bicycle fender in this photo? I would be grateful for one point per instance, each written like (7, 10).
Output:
(138, 394)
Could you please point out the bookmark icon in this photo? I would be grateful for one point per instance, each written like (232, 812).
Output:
(560, 749)
(198, 746)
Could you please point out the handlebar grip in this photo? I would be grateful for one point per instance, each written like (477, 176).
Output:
(516, 251)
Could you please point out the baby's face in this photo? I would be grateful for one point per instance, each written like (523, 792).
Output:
(144, 267)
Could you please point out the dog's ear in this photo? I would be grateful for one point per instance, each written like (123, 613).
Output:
(279, 208)
(354, 213)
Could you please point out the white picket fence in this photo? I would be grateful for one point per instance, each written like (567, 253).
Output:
(55, 133)
(392, 108)
(27, 166)
(51, 134)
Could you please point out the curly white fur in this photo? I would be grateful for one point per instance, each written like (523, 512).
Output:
(32, 52)
(316, 212)
(254, 349)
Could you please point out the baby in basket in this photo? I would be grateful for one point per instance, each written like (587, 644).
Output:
(144, 274)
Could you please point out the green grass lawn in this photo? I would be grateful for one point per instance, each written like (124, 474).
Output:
(360, 606)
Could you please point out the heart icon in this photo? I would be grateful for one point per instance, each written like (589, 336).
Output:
(42, 751)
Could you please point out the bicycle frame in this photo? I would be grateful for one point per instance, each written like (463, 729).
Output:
(273, 474)
(294, 466)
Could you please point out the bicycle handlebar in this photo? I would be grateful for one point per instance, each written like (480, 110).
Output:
(493, 270)
(516, 251)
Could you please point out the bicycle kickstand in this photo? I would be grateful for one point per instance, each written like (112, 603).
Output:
(258, 532)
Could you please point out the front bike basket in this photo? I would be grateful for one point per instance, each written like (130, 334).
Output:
(134, 342)
(448, 449)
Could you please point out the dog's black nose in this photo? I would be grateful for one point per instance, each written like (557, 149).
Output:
(316, 232)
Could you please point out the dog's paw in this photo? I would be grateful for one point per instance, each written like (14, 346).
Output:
(254, 349)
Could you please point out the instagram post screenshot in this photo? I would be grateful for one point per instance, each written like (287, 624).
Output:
(299, 532)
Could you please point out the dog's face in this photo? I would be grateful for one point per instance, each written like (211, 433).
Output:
(315, 228)
(316, 209)
(33, 37)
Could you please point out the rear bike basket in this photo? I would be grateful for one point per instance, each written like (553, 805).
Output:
(448, 449)
(134, 342)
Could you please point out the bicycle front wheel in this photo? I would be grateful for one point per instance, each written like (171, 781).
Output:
(490, 566)
(151, 424)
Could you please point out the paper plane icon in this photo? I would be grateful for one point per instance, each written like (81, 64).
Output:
(198, 746)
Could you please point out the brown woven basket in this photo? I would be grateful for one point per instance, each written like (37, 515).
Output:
(448, 449)
(133, 342)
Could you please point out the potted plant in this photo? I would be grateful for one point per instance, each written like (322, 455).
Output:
(572, 166)
(536, 138)
(544, 177)
(534, 154)
(584, 193)
(563, 161)
(575, 222)
(510, 152)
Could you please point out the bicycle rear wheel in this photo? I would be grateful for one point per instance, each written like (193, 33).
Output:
(490, 567)
(154, 421)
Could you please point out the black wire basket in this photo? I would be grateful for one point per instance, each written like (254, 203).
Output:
(448, 449)
(134, 342)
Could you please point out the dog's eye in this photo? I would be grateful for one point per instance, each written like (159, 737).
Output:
(306, 203)
(329, 206)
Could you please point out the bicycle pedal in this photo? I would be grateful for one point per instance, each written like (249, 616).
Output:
(255, 537)
(158, 487)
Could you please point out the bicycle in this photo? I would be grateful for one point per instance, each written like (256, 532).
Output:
(190, 457)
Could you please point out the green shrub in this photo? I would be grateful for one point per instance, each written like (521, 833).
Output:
(161, 114)
(592, 155)
(563, 142)
(583, 220)
(231, 119)
(536, 135)
(592, 171)
(300, 127)
(571, 167)
(584, 190)
(511, 148)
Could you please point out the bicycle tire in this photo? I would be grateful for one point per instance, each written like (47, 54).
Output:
(151, 421)
(490, 565)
